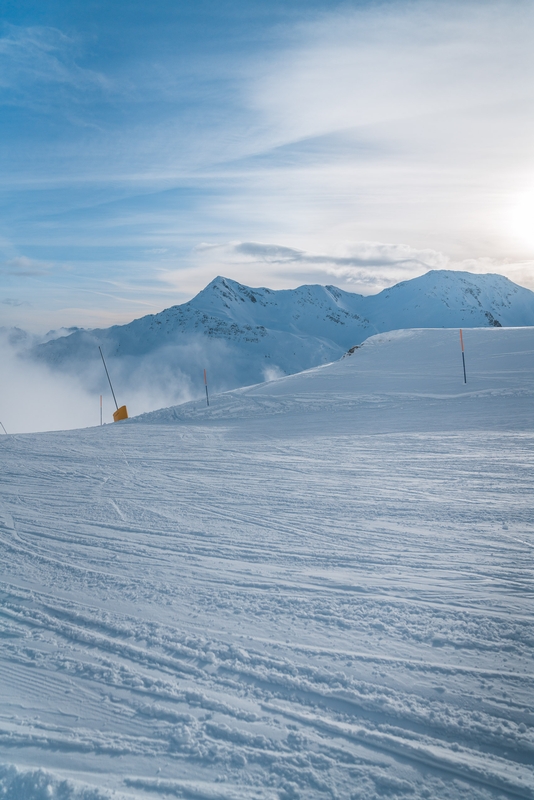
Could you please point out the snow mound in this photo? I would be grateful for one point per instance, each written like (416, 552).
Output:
(17, 784)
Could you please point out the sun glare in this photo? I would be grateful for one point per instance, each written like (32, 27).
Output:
(521, 219)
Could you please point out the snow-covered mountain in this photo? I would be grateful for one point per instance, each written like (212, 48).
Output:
(245, 336)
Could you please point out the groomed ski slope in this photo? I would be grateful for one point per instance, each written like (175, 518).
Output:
(320, 587)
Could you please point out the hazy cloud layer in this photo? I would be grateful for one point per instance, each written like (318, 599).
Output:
(363, 267)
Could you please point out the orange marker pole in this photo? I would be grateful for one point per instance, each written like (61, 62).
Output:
(463, 354)
(206, 386)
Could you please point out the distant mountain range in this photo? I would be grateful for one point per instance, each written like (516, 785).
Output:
(244, 335)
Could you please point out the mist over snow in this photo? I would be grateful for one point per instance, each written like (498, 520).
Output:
(34, 398)
(37, 397)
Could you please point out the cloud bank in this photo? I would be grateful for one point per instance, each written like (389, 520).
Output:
(362, 267)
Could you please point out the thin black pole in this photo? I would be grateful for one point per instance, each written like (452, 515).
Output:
(109, 379)
(4, 429)
(463, 355)
(206, 385)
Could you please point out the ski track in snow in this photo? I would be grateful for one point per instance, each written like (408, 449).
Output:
(221, 609)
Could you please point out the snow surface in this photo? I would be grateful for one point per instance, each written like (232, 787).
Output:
(320, 587)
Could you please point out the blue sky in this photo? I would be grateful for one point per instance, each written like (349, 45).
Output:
(147, 147)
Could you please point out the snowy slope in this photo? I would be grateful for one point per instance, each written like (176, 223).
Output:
(244, 336)
(320, 587)
(401, 380)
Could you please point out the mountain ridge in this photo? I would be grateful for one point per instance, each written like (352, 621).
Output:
(245, 335)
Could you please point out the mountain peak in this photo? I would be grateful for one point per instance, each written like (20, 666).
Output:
(224, 294)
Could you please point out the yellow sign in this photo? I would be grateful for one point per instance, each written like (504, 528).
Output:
(120, 413)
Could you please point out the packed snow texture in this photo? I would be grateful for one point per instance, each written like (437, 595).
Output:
(320, 587)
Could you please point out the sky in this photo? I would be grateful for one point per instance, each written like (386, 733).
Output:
(146, 148)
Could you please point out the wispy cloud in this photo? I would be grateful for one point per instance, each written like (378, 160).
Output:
(22, 266)
(32, 57)
(14, 301)
(388, 62)
(360, 254)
